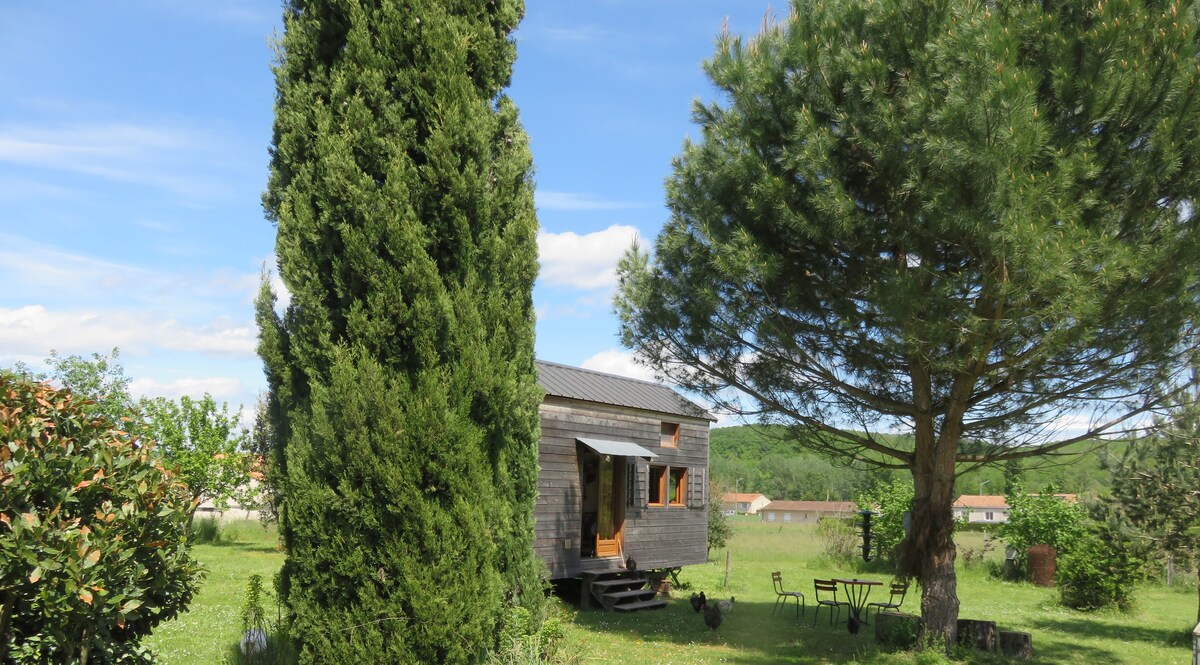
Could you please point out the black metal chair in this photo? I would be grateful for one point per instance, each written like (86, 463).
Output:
(830, 589)
(782, 595)
(894, 601)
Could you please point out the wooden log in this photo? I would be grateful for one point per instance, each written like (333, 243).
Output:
(976, 634)
(897, 629)
(1016, 645)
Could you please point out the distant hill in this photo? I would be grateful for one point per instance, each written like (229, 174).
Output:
(765, 459)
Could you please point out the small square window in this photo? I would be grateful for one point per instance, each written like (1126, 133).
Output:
(658, 486)
(669, 435)
(678, 486)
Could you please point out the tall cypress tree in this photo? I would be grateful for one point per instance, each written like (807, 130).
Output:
(403, 392)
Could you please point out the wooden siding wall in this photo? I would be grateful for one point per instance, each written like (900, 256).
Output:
(655, 537)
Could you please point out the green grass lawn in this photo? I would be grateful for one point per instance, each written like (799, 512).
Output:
(1154, 634)
(212, 626)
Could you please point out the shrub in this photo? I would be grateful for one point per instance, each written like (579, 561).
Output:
(206, 531)
(890, 503)
(1102, 570)
(1041, 519)
(527, 639)
(839, 538)
(94, 549)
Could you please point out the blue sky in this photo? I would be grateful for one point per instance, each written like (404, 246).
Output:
(133, 153)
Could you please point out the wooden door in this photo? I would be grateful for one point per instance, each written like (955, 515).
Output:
(611, 509)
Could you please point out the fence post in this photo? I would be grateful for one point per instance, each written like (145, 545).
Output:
(1196, 645)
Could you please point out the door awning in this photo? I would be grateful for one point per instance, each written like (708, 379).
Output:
(616, 447)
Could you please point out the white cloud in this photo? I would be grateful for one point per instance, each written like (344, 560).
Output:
(586, 261)
(221, 388)
(158, 157)
(22, 260)
(570, 201)
(34, 330)
(621, 363)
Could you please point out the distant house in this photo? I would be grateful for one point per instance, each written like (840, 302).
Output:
(744, 502)
(806, 512)
(989, 508)
(623, 474)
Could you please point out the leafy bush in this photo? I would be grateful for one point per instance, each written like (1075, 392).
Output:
(1042, 519)
(890, 502)
(839, 538)
(206, 531)
(1102, 570)
(94, 549)
(529, 640)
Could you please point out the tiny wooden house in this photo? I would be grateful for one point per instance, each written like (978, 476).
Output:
(624, 474)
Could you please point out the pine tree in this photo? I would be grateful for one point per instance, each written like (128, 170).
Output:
(1156, 484)
(403, 393)
(964, 221)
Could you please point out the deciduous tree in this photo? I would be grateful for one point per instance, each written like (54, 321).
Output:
(970, 222)
(203, 443)
(403, 389)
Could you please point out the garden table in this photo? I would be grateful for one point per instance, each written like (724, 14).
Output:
(857, 592)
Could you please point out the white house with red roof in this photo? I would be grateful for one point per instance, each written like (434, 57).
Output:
(989, 508)
(746, 503)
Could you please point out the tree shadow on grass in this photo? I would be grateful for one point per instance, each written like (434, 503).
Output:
(1085, 628)
(750, 633)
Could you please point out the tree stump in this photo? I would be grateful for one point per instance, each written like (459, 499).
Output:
(979, 635)
(896, 629)
(1016, 645)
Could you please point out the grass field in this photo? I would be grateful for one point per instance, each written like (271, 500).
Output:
(1155, 633)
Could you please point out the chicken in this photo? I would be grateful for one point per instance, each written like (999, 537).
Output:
(712, 616)
(725, 605)
(699, 602)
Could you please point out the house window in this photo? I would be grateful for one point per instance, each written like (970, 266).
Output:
(988, 516)
(677, 487)
(787, 517)
(770, 517)
(658, 486)
(669, 435)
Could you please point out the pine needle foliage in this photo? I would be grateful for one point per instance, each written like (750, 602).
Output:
(403, 394)
(965, 221)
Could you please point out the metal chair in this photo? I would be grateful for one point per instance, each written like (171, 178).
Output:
(782, 595)
(898, 591)
(828, 587)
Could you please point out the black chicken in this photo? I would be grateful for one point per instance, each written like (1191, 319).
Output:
(699, 602)
(713, 616)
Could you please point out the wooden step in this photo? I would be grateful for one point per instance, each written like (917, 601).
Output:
(632, 593)
(641, 605)
(621, 581)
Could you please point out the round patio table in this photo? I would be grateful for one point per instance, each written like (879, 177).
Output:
(857, 592)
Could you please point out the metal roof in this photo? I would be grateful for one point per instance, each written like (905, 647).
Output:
(590, 386)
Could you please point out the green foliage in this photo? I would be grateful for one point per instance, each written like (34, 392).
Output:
(1102, 569)
(719, 528)
(206, 531)
(403, 395)
(534, 640)
(94, 550)
(203, 443)
(840, 539)
(100, 379)
(959, 221)
(890, 502)
(253, 614)
(1042, 519)
(1156, 484)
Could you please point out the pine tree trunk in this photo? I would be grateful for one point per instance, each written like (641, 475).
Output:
(928, 551)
